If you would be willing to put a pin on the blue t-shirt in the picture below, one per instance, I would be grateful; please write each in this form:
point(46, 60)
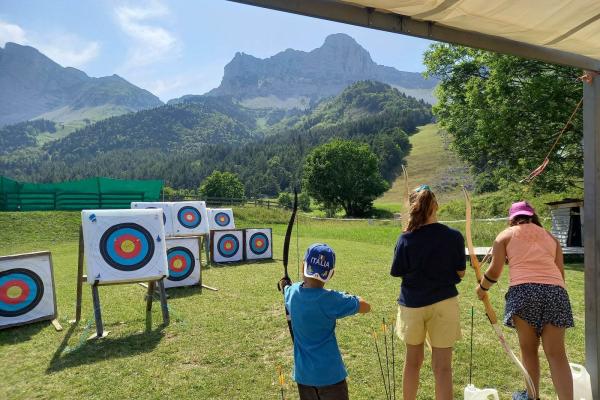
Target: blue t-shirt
point(317, 358)
point(427, 260)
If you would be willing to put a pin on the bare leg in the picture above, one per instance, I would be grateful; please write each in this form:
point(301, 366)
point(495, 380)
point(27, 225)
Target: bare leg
point(412, 368)
point(553, 340)
point(441, 362)
point(529, 343)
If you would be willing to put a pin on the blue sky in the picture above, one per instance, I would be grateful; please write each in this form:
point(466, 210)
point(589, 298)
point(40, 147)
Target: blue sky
point(178, 47)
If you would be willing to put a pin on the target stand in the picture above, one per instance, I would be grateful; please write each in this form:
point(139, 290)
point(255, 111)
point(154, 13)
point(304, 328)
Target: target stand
point(157, 283)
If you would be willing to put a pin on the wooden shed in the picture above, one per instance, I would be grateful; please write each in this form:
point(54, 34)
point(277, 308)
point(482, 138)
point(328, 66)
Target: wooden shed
point(567, 224)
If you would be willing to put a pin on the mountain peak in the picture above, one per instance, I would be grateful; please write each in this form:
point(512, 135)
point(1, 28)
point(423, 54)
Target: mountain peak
point(295, 79)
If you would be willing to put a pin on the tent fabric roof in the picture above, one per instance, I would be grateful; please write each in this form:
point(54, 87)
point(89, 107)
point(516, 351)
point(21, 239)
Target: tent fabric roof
point(571, 26)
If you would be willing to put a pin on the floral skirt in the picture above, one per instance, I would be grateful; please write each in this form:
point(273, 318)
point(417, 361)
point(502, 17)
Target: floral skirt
point(538, 305)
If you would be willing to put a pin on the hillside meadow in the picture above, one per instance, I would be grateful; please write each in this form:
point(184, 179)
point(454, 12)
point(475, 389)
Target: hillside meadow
point(229, 344)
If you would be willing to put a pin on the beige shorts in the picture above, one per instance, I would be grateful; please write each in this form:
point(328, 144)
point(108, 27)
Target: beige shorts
point(440, 321)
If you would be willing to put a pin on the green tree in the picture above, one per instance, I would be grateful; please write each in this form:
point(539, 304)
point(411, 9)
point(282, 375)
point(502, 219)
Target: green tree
point(343, 173)
point(505, 112)
point(285, 199)
point(222, 184)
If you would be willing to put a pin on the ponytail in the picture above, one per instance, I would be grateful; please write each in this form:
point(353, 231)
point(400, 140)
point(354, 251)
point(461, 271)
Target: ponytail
point(422, 203)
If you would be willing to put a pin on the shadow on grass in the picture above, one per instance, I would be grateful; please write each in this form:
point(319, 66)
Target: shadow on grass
point(184, 291)
point(91, 351)
point(21, 333)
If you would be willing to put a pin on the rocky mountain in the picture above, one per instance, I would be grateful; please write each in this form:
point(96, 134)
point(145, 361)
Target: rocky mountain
point(33, 86)
point(297, 79)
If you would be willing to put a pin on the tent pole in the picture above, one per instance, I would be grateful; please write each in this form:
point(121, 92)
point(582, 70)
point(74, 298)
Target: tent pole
point(591, 139)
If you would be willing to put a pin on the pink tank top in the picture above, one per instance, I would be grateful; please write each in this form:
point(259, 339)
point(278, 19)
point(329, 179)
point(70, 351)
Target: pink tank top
point(531, 255)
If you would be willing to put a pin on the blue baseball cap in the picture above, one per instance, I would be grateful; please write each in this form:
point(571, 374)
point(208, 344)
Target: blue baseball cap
point(319, 262)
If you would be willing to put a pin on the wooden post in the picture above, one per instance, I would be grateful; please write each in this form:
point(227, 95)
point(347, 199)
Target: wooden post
point(200, 245)
point(149, 295)
point(591, 138)
point(79, 276)
point(97, 312)
point(163, 302)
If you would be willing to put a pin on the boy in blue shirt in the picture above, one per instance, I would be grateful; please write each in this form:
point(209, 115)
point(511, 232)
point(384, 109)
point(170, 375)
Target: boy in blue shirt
point(318, 367)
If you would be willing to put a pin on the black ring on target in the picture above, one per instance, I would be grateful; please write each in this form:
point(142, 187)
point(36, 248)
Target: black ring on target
point(222, 219)
point(189, 217)
point(144, 246)
point(32, 291)
point(186, 256)
point(254, 246)
point(222, 243)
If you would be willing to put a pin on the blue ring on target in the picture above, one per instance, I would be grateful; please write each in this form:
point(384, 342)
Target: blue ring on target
point(189, 217)
point(228, 240)
point(222, 216)
point(254, 243)
point(26, 280)
point(129, 259)
point(189, 263)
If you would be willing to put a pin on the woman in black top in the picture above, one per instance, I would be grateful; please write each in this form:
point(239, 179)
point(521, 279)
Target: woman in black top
point(430, 259)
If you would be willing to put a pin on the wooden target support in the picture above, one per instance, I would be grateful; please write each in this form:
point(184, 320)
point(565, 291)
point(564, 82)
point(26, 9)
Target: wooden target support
point(81, 278)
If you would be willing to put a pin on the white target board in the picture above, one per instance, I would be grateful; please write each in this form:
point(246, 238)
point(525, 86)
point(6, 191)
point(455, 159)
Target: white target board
point(227, 246)
point(258, 244)
point(184, 262)
point(221, 219)
point(124, 245)
point(26, 289)
point(190, 218)
point(167, 214)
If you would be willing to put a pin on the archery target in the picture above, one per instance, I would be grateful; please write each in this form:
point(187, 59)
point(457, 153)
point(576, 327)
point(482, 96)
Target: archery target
point(221, 219)
point(190, 218)
point(184, 262)
point(227, 246)
point(124, 245)
point(26, 289)
point(258, 244)
point(167, 214)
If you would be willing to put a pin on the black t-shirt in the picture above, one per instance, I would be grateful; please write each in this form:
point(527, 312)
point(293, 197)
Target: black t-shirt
point(427, 260)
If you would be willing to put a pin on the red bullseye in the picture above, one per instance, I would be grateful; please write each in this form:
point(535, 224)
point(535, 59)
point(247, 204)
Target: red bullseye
point(127, 246)
point(189, 217)
point(178, 263)
point(14, 285)
point(228, 245)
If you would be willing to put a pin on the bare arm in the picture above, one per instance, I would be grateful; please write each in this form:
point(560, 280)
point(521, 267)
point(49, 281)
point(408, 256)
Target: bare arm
point(363, 306)
point(494, 272)
point(559, 259)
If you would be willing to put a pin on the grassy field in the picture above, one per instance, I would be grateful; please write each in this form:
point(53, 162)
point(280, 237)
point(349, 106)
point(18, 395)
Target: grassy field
point(430, 161)
point(228, 344)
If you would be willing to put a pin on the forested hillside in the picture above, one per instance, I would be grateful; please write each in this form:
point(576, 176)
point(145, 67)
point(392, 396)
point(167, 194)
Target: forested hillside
point(183, 143)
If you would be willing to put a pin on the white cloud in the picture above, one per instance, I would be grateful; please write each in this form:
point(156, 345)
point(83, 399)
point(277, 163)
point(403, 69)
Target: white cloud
point(151, 42)
point(11, 33)
point(64, 48)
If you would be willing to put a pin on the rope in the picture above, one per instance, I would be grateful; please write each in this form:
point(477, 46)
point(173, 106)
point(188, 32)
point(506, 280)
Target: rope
point(536, 172)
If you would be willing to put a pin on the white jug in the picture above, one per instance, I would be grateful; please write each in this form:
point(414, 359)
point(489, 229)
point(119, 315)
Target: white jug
point(582, 385)
point(472, 393)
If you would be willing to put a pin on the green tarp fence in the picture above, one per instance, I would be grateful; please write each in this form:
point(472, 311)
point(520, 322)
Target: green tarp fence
point(93, 193)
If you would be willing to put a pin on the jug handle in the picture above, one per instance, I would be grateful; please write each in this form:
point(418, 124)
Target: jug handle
point(490, 392)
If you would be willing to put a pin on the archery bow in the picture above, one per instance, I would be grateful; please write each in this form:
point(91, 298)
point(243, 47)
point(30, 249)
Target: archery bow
point(489, 311)
point(286, 251)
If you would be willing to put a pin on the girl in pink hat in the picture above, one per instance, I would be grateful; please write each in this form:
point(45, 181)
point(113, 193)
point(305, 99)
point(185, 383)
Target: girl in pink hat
point(537, 303)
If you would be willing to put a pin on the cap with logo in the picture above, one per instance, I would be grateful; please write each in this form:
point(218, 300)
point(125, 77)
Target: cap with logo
point(319, 262)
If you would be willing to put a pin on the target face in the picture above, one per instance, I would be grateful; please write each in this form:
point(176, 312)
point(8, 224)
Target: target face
point(127, 247)
point(259, 243)
point(222, 219)
point(189, 217)
point(20, 292)
point(164, 215)
point(228, 245)
point(181, 263)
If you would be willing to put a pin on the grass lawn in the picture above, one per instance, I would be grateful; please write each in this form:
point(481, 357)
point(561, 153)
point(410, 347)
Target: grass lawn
point(228, 344)
point(430, 161)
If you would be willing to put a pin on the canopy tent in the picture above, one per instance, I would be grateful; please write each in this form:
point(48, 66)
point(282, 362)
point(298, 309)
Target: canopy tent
point(556, 31)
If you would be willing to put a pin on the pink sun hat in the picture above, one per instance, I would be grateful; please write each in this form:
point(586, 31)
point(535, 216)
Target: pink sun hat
point(520, 208)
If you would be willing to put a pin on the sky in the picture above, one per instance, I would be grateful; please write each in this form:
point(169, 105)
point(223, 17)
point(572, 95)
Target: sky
point(179, 47)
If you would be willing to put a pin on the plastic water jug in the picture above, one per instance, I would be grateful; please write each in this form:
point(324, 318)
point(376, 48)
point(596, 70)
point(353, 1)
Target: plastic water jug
point(582, 384)
point(472, 393)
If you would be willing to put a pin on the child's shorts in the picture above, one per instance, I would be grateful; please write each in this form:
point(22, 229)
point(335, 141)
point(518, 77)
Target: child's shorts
point(538, 305)
point(338, 391)
point(440, 321)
